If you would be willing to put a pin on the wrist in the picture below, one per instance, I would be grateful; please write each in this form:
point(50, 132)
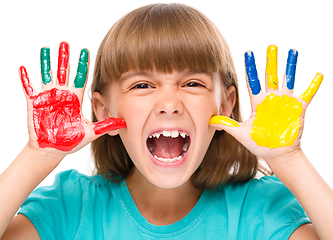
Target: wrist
point(287, 160)
point(43, 159)
point(290, 168)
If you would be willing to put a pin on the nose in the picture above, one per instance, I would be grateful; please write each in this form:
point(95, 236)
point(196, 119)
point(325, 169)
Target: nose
point(169, 103)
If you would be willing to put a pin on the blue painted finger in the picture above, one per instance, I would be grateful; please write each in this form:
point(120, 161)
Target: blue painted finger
point(252, 74)
point(291, 69)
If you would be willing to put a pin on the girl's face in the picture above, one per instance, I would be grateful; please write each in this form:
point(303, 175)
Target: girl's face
point(167, 117)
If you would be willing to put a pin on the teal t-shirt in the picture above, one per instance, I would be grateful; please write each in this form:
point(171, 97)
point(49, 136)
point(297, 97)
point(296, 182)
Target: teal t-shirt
point(77, 206)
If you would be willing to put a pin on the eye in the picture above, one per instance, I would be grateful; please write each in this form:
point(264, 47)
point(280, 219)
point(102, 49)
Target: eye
point(193, 84)
point(141, 86)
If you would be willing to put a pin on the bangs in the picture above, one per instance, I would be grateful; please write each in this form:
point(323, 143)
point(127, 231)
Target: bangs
point(164, 38)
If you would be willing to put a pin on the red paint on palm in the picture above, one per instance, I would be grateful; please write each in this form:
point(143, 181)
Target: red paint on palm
point(57, 119)
point(63, 63)
point(108, 124)
point(56, 116)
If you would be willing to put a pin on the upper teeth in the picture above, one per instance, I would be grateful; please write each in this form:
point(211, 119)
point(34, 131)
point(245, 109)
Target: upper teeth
point(173, 134)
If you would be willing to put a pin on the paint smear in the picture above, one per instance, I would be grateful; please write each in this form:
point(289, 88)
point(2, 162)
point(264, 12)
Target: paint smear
point(271, 68)
point(252, 74)
point(224, 121)
point(291, 69)
point(63, 63)
point(82, 69)
point(312, 89)
point(108, 124)
point(45, 65)
point(57, 119)
point(277, 121)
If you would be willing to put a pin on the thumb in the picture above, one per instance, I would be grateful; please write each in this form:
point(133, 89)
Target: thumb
point(108, 124)
point(224, 123)
point(221, 121)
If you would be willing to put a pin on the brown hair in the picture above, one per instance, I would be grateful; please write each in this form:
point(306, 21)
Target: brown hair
point(168, 37)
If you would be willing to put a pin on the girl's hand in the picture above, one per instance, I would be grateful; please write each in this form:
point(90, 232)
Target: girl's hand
point(55, 120)
point(276, 123)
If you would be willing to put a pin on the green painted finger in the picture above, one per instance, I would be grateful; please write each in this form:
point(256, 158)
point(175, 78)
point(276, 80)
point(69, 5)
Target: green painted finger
point(82, 69)
point(45, 65)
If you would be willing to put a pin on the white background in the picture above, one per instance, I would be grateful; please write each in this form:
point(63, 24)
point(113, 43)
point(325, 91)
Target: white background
point(26, 26)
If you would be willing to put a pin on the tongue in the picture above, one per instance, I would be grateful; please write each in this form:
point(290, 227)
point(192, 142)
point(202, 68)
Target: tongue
point(167, 147)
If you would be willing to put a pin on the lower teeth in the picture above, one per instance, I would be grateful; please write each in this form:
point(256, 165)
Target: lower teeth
point(169, 160)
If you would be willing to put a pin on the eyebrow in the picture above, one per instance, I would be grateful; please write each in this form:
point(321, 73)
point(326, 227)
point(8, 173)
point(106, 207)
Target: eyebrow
point(134, 74)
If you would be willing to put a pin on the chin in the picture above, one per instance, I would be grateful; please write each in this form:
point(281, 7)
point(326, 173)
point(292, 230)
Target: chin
point(170, 177)
point(168, 182)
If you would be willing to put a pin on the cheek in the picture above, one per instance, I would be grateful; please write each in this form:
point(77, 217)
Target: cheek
point(133, 110)
point(203, 108)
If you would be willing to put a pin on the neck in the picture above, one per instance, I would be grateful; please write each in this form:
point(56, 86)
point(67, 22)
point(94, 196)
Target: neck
point(161, 206)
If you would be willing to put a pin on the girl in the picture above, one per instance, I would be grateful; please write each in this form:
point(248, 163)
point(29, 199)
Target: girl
point(165, 167)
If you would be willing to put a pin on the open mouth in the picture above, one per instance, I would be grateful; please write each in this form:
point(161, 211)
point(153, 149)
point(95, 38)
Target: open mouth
point(168, 146)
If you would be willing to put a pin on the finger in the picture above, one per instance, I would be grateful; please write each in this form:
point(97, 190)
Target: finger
point(223, 120)
point(227, 124)
point(25, 81)
point(272, 82)
point(289, 79)
point(45, 65)
point(82, 69)
point(251, 74)
point(108, 124)
point(62, 74)
point(312, 89)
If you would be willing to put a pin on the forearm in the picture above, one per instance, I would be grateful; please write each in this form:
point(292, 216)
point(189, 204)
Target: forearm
point(310, 189)
point(21, 178)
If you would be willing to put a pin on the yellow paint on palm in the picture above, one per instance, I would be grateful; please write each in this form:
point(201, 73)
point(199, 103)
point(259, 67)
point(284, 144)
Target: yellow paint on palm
point(271, 67)
point(277, 121)
point(312, 89)
point(224, 121)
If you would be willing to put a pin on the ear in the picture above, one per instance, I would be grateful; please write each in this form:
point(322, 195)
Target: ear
point(101, 109)
point(228, 103)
